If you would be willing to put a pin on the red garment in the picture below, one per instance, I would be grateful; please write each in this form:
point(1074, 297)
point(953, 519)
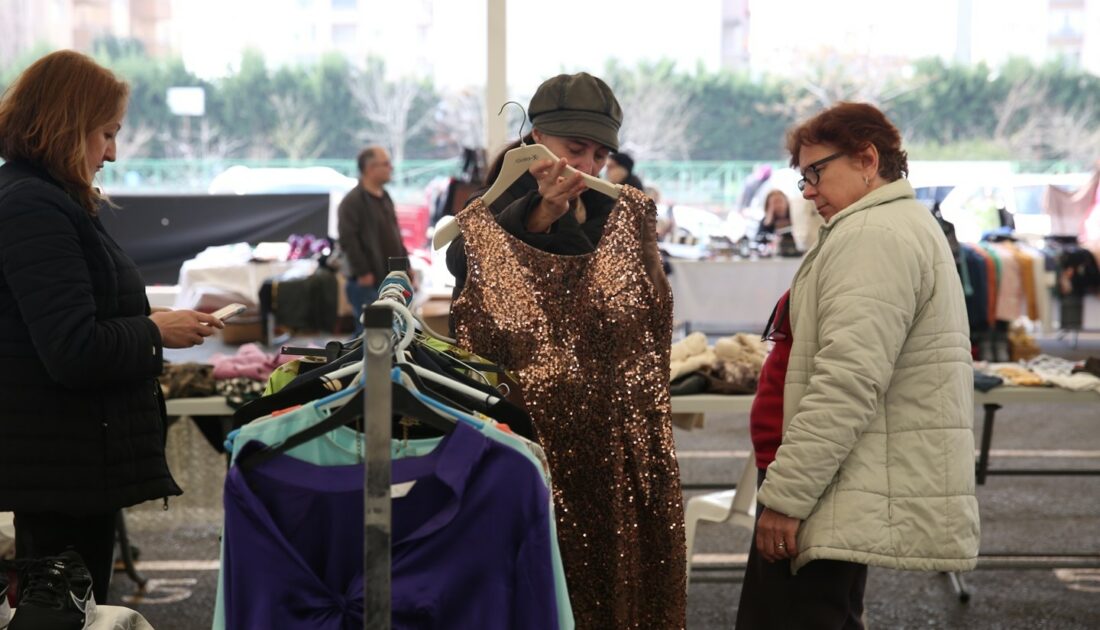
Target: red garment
point(766, 417)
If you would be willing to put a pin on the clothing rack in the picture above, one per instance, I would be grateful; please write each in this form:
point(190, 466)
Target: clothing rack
point(378, 350)
point(377, 506)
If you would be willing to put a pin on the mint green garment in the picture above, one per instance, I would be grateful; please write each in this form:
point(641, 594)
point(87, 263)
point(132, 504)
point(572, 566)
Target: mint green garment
point(342, 446)
point(996, 262)
point(968, 289)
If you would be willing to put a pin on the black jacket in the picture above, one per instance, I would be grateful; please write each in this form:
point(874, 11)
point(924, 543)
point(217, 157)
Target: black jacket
point(369, 233)
point(566, 236)
point(82, 421)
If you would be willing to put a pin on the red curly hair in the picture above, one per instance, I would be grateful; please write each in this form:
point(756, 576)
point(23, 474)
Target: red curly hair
point(852, 127)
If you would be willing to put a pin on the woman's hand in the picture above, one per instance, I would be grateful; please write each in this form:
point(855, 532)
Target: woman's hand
point(556, 191)
point(776, 536)
point(183, 328)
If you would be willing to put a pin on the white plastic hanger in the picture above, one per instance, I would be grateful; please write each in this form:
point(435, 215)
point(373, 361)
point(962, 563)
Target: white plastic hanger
point(407, 336)
point(394, 292)
point(516, 163)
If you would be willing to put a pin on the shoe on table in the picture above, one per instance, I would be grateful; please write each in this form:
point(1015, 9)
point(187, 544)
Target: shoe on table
point(5, 607)
point(55, 594)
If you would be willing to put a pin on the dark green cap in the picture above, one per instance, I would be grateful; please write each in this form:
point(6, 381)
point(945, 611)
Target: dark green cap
point(577, 105)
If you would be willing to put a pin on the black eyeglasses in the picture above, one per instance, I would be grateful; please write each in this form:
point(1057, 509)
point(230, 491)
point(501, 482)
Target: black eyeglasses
point(812, 174)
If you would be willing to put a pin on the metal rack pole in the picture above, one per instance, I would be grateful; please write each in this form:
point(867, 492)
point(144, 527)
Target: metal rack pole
point(378, 350)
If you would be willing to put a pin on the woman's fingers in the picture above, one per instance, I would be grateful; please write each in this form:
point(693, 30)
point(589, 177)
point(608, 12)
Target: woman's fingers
point(541, 169)
point(790, 545)
point(547, 171)
point(776, 536)
point(765, 546)
point(569, 187)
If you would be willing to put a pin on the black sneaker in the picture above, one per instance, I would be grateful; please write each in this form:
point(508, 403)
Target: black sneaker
point(55, 594)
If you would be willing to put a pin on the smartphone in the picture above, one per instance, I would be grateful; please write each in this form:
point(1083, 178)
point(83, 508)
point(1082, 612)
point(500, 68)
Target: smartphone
point(232, 310)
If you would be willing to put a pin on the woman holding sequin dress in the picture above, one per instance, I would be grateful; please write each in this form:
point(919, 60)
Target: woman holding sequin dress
point(564, 287)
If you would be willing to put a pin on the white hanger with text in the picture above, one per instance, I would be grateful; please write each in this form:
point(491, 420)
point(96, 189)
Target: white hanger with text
point(516, 163)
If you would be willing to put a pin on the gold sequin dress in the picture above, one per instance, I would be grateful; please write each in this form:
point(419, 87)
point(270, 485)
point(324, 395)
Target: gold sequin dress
point(589, 338)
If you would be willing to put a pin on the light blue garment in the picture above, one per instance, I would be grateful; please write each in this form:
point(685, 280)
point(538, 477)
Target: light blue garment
point(342, 446)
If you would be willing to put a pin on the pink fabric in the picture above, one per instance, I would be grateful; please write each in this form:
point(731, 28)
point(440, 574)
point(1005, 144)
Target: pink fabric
point(1069, 210)
point(1091, 228)
point(249, 362)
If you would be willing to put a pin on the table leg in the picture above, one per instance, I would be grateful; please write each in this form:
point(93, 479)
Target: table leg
point(126, 552)
point(987, 440)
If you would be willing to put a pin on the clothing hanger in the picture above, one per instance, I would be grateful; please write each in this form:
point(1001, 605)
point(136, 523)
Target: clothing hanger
point(439, 379)
point(397, 286)
point(407, 336)
point(441, 406)
point(404, 402)
point(516, 163)
point(476, 371)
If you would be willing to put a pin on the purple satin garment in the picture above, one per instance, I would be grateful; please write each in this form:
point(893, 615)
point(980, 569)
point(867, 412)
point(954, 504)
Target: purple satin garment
point(471, 542)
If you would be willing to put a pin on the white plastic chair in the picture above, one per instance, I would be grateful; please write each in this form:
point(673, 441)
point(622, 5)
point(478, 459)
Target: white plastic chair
point(736, 506)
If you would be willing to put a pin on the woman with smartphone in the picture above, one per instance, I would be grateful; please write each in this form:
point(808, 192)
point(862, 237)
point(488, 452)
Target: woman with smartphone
point(82, 425)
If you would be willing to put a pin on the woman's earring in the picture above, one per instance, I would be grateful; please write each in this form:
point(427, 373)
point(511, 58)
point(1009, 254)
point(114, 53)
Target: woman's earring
point(866, 181)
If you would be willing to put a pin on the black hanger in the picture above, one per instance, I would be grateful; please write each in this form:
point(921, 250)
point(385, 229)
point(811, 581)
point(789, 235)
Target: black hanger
point(427, 389)
point(403, 402)
point(305, 387)
point(517, 419)
point(407, 405)
point(332, 350)
point(349, 413)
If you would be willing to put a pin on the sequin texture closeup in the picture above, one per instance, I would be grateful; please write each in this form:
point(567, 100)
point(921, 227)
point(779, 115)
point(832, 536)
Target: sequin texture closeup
point(589, 338)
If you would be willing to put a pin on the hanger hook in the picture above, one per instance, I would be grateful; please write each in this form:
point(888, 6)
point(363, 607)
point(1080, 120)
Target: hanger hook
point(522, 109)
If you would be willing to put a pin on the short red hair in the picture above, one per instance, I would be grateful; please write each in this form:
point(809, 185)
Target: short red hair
point(852, 127)
point(48, 112)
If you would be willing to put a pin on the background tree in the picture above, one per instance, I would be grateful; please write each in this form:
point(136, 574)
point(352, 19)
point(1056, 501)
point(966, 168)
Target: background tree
point(459, 121)
point(341, 120)
point(241, 107)
point(658, 113)
point(330, 109)
point(738, 118)
point(396, 111)
point(296, 131)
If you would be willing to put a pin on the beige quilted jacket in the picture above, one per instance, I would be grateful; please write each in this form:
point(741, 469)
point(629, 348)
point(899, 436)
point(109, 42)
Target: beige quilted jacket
point(877, 456)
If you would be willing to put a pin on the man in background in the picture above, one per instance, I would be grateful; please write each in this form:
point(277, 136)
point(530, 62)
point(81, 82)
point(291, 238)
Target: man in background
point(368, 230)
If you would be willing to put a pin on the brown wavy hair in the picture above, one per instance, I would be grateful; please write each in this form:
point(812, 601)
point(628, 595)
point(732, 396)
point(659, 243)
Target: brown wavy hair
point(852, 127)
point(48, 112)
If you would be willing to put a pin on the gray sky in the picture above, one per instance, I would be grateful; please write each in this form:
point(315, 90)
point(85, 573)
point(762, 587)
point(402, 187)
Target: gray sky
point(446, 38)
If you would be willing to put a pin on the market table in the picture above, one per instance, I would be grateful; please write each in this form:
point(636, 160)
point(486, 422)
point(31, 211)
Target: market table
point(728, 296)
point(991, 402)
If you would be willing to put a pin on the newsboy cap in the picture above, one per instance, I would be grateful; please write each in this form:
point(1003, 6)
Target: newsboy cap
point(577, 105)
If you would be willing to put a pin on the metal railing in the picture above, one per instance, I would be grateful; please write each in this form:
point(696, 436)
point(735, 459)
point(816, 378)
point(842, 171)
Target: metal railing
point(710, 183)
point(185, 175)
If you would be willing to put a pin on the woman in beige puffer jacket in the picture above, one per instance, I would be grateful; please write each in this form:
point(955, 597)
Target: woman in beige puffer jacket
point(876, 466)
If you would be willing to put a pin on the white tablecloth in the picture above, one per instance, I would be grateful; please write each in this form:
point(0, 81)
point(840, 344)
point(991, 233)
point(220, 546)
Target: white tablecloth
point(729, 296)
point(210, 284)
